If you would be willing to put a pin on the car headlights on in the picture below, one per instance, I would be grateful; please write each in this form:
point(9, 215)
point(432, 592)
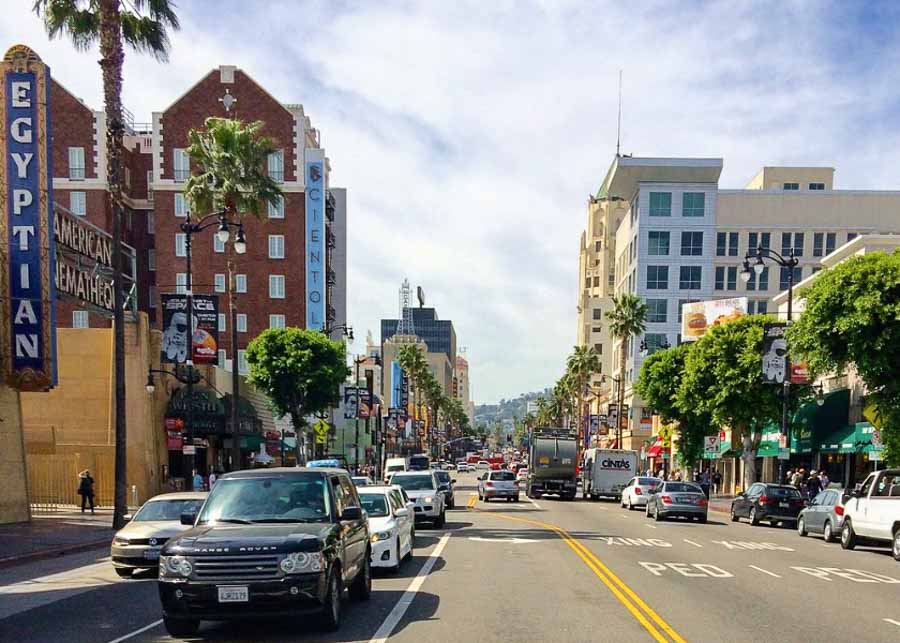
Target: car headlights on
point(428, 499)
point(177, 566)
point(380, 535)
point(303, 563)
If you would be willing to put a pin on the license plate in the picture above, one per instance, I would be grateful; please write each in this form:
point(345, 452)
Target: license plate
point(151, 554)
point(685, 500)
point(233, 594)
point(784, 505)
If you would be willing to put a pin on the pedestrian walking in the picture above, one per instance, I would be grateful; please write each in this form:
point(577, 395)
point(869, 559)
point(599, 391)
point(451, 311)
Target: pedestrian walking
point(212, 479)
point(86, 489)
point(717, 482)
point(824, 480)
point(704, 482)
point(198, 481)
point(813, 486)
point(796, 479)
point(788, 476)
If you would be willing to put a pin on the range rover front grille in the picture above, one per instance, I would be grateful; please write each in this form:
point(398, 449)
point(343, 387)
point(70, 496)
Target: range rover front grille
point(236, 568)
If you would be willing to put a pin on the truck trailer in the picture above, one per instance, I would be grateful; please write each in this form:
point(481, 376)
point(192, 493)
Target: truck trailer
point(553, 461)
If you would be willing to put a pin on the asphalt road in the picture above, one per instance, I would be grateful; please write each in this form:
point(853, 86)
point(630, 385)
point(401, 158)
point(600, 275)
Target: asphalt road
point(533, 571)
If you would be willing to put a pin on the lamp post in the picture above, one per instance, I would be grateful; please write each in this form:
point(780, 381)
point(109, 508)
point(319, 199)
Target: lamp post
point(190, 228)
point(790, 262)
point(620, 384)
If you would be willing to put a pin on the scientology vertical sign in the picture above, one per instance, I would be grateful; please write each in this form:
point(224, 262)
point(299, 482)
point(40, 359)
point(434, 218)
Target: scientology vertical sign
point(27, 294)
point(314, 172)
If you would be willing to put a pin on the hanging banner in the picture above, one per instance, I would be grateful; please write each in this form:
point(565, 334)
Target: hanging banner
point(314, 172)
point(774, 357)
point(27, 295)
point(351, 402)
point(205, 324)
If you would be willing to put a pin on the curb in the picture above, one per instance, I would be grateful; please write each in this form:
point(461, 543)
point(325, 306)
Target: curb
point(12, 561)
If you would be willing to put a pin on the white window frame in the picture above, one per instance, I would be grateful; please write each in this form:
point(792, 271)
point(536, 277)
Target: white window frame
point(180, 283)
point(277, 321)
point(77, 165)
point(151, 222)
point(78, 203)
point(221, 323)
point(241, 322)
point(276, 246)
point(277, 211)
point(181, 164)
point(152, 293)
point(218, 244)
point(240, 283)
point(151, 259)
point(180, 244)
point(219, 282)
point(276, 291)
point(81, 319)
point(181, 206)
point(276, 166)
point(223, 357)
point(149, 184)
point(243, 366)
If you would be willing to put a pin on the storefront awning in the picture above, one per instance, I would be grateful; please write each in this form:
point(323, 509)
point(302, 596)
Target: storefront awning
point(769, 445)
point(816, 425)
point(841, 440)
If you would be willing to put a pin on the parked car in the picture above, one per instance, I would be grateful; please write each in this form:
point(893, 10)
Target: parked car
point(637, 492)
point(423, 489)
point(463, 467)
point(392, 466)
point(522, 474)
point(872, 512)
point(671, 499)
point(449, 466)
point(498, 484)
point(362, 481)
point(483, 465)
point(447, 487)
point(137, 545)
point(390, 526)
point(774, 503)
point(824, 515)
point(267, 542)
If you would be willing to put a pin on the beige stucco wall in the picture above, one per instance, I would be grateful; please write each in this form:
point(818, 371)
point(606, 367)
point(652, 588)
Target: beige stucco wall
point(774, 178)
point(14, 499)
point(827, 211)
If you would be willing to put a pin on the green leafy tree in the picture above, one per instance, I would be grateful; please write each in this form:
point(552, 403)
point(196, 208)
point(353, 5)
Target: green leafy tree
point(658, 385)
point(412, 361)
point(627, 319)
point(144, 25)
point(722, 378)
point(852, 319)
point(229, 157)
point(300, 370)
point(582, 364)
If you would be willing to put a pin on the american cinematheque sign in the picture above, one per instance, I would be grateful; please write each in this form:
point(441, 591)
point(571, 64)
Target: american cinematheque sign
point(27, 293)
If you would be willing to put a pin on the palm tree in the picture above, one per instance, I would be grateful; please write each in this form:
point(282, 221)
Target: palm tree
point(143, 24)
point(627, 319)
point(581, 366)
point(412, 361)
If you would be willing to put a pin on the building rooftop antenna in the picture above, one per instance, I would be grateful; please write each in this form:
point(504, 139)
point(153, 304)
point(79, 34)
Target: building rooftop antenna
point(405, 325)
point(619, 120)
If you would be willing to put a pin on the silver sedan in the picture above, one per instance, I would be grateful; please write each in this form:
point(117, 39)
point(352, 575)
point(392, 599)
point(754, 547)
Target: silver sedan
point(673, 499)
point(637, 492)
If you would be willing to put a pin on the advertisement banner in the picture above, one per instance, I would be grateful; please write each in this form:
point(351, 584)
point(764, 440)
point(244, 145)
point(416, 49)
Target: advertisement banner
point(774, 357)
point(365, 403)
point(351, 402)
point(314, 172)
point(28, 297)
point(697, 316)
point(205, 327)
point(799, 373)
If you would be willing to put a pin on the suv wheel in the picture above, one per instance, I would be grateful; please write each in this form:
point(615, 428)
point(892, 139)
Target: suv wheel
point(895, 548)
point(754, 518)
point(848, 537)
point(828, 534)
point(734, 516)
point(439, 523)
point(181, 627)
point(361, 588)
point(331, 611)
point(801, 527)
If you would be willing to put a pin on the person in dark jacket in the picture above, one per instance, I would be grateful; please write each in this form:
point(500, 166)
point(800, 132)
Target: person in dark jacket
point(86, 489)
point(813, 485)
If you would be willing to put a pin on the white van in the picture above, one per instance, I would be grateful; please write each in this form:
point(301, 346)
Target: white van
point(392, 466)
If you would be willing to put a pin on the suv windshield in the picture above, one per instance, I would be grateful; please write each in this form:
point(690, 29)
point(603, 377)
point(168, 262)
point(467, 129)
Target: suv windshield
point(414, 483)
point(166, 509)
point(375, 504)
point(296, 498)
point(503, 475)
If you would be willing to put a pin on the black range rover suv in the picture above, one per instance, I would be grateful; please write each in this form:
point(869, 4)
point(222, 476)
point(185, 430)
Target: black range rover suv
point(268, 542)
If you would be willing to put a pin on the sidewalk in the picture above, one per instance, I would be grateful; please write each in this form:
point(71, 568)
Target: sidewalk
point(722, 504)
point(54, 534)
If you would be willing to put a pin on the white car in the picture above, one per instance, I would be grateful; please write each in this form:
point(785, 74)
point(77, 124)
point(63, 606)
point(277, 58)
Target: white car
point(638, 490)
point(423, 488)
point(483, 465)
point(390, 525)
point(462, 467)
point(498, 484)
point(522, 474)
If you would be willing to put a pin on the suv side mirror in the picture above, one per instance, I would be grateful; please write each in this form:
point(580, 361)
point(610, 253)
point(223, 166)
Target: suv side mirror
point(127, 517)
point(400, 513)
point(189, 518)
point(452, 480)
point(352, 513)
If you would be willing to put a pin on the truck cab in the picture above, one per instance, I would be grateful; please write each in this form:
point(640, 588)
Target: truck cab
point(872, 512)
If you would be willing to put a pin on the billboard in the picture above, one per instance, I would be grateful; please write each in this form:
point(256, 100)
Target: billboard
point(351, 402)
point(697, 316)
point(774, 357)
point(173, 349)
point(27, 294)
point(314, 172)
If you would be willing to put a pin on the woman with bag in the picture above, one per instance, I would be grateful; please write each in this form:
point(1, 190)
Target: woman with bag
point(86, 489)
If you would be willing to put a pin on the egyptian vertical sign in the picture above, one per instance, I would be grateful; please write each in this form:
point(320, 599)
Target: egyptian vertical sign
point(27, 295)
point(315, 239)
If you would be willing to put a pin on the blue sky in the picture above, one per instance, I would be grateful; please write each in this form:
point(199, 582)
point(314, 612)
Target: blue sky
point(469, 134)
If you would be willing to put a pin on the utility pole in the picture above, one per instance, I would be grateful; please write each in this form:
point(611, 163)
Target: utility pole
point(187, 448)
point(235, 376)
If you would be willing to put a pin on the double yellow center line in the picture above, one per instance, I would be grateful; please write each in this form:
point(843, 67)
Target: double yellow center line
point(643, 613)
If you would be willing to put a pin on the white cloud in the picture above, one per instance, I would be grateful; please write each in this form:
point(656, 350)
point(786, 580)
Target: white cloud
point(469, 134)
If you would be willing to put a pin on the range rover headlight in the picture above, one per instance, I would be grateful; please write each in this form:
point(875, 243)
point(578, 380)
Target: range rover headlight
point(380, 535)
point(428, 499)
point(175, 566)
point(303, 563)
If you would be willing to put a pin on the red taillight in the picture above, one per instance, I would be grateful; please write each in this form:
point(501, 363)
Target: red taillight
point(637, 491)
point(703, 502)
point(839, 510)
point(764, 499)
point(667, 499)
point(488, 484)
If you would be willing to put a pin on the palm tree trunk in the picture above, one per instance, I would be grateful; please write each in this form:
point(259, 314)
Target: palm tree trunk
point(111, 60)
point(623, 357)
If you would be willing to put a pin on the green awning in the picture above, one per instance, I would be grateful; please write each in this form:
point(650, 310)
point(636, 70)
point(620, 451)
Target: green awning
point(769, 445)
point(815, 426)
point(841, 440)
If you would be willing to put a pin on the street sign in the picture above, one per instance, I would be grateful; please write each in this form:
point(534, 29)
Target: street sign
point(782, 441)
point(784, 454)
point(188, 449)
point(711, 445)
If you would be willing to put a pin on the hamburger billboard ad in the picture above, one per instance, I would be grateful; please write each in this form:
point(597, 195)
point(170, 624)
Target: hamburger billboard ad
point(698, 316)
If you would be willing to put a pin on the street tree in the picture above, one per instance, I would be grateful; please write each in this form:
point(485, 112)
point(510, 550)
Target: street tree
point(581, 366)
point(627, 319)
point(144, 25)
point(300, 371)
point(412, 361)
point(852, 319)
point(722, 379)
point(658, 385)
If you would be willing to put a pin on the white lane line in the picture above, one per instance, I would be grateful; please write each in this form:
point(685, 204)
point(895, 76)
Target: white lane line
point(136, 632)
point(651, 526)
point(764, 571)
point(691, 542)
point(891, 621)
point(406, 600)
point(536, 505)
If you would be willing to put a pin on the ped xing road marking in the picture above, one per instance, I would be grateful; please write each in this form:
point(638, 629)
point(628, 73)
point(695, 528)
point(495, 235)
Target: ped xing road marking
point(691, 542)
point(384, 632)
point(891, 621)
point(855, 575)
point(743, 544)
point(703, 570)
point(136, 632)
point(658, 628)
point(764, 571)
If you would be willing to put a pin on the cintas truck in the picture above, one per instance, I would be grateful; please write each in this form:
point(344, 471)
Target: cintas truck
point(552, 461)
